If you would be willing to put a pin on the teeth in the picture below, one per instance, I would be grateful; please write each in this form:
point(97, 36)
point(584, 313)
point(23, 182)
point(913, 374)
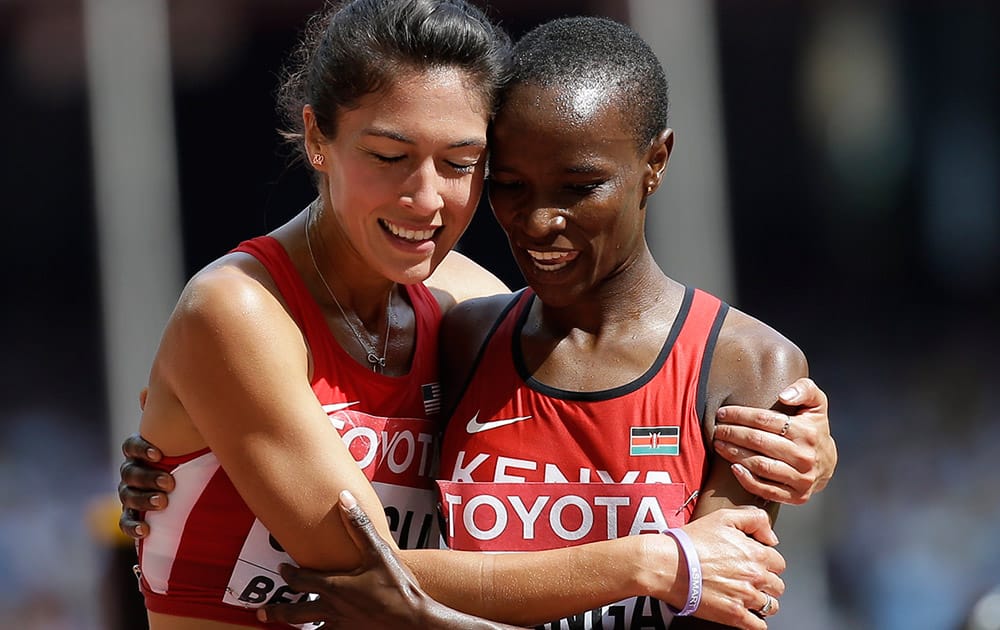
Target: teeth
point(550, 267)
point(405, 234)
point(551, 261)
point(545, 255)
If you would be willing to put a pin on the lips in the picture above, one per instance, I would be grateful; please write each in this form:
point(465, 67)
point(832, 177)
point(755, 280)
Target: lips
point(407, 234)
point(551, 260)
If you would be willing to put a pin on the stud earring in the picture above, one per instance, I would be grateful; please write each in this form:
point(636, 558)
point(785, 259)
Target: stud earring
point(318, 159)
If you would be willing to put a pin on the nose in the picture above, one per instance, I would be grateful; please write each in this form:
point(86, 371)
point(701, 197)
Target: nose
point(542, 222)
point(421, 190)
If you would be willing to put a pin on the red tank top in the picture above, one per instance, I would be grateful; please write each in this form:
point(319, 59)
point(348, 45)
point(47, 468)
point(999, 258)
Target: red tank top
point(208, 557)
point(527, 467)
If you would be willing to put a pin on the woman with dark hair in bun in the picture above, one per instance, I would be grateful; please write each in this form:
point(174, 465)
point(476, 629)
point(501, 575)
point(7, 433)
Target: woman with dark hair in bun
point(304, 363)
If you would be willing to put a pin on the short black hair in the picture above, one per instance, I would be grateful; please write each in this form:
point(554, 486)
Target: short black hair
point(359, 47)
point(592, 51)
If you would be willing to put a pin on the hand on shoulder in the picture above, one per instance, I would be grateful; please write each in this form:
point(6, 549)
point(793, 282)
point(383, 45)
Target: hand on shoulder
point(779, 445)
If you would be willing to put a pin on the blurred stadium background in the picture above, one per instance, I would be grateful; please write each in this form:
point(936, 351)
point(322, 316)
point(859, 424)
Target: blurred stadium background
point(836, 175)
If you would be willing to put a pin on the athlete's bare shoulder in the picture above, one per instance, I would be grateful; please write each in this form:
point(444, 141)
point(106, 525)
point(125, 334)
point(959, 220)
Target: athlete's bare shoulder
point(459, 278)
point(473, 318)
point(231, 300)
point(752, 362)
point(235, 278)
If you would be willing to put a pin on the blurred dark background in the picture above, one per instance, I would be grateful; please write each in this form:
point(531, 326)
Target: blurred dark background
point(862, 153)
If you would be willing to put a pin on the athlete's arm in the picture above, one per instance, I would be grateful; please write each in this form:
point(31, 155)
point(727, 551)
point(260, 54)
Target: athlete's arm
point(518, 585)
point(784, 458)
point(144, 488)
point(637, 565)
point(532, 588)
point(753, 363)
point(750, 367)
point(232, 374)
point(382, 594)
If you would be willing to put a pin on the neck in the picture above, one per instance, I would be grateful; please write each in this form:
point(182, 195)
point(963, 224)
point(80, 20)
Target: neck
point(355, 288)
point(623, 300)
point(373, 350)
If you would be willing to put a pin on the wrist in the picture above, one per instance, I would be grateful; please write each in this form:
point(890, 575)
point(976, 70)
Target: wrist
point(692, 566)
point(661, 570)
point(436, 616)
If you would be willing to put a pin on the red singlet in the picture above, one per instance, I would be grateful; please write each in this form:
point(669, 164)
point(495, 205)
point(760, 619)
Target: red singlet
point(533, 467)
point(208, 557)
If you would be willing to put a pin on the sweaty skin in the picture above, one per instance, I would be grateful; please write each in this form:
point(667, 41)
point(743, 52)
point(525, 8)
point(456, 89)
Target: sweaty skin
point(575, 216)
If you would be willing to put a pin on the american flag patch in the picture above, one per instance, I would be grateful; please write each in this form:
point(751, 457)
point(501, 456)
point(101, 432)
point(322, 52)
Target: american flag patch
point(654, 441)
point(432, 398)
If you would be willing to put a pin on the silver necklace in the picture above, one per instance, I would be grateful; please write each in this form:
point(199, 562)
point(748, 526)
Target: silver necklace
point(377, 362)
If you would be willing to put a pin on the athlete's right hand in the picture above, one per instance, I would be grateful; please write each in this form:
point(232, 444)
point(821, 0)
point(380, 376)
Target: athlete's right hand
point(142, 488)
point(739, 565)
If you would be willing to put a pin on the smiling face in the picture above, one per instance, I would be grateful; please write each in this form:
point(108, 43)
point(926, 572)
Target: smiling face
point(568, 185)
point(404, 173)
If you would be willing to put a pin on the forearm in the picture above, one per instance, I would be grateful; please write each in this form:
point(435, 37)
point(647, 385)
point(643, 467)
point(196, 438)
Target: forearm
point(441, 617)
point(531, 588)
point(695, 623)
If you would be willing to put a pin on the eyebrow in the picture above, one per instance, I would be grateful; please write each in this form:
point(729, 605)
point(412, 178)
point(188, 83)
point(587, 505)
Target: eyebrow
point(584, 170)
point(398, 137)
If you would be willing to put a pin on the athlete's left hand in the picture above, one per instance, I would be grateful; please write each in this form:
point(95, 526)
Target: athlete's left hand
point(776, 456)
point(381, 593)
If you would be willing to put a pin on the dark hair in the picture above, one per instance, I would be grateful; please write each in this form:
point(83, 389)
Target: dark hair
point(588, 51)
point(357, 47)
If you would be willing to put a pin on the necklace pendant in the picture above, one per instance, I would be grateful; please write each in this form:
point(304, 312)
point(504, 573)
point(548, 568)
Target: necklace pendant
point(378, 363)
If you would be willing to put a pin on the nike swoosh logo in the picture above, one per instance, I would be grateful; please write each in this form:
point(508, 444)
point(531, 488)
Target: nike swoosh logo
point(475, 426)
point(337, 421)
point(339, 406)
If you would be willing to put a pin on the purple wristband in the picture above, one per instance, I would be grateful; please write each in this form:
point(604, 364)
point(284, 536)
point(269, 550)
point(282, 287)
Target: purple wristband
point(694, 572)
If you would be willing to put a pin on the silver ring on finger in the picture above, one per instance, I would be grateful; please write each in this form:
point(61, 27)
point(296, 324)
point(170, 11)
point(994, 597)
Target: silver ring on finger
point(765, 610)
point(788, 423)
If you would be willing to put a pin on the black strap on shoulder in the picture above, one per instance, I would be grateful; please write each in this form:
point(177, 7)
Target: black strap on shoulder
point(515, 298)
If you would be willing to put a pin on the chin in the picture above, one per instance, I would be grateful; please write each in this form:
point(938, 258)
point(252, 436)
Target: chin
point(556, 296)
point(416, 273)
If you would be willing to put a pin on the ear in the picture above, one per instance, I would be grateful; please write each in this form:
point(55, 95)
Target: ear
point(313, 139)
point(657, 158)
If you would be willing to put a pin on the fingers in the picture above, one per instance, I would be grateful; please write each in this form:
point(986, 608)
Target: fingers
point(734, 416)
point(301, 612)
point(304, 580)
point(773, 583)
point(754, 522)
point(780, 458)
point(134, 447)
point(768, 586)
point(133, 503)
point(142, 489)
point(362, 530)
point(736, 444)
point(140, 477)
point(769, 606)
point(140, 499)
point(750, 621)
point(767, 490)
point(131, 526)
point(804, 393)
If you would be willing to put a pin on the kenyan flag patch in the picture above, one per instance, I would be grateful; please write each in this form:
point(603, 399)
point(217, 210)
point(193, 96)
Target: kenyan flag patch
point(654, 441)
